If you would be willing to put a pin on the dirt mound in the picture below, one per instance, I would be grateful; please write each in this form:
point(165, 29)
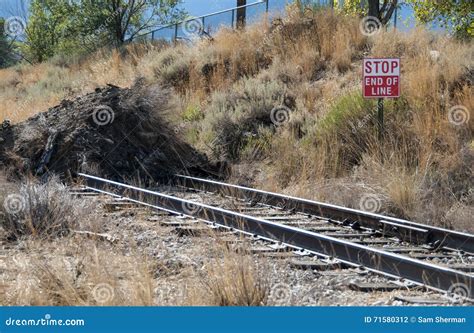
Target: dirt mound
point(113, 132)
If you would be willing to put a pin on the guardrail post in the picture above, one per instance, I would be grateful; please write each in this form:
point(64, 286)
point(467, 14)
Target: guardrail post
point(267, 5)
point(175, 32)
point(233, 18)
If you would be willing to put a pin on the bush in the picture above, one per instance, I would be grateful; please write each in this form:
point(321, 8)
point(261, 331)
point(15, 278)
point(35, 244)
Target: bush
point(234, 116)
point(40, 210)
point(172, 67)
point(347, 112)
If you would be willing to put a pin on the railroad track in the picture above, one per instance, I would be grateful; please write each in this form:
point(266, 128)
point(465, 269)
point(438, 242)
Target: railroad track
point(436, 258)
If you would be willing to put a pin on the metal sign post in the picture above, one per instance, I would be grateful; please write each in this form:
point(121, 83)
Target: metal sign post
point(381, 80)
point(380, 118)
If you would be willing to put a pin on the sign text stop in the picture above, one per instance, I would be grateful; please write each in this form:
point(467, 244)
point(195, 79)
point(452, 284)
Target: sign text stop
point(381, 78)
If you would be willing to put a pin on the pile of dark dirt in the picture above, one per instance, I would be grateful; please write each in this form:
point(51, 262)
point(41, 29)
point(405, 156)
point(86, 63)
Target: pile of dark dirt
point(112, 132)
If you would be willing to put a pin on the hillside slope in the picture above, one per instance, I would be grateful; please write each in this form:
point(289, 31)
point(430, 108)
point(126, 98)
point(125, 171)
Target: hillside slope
point(282, 103)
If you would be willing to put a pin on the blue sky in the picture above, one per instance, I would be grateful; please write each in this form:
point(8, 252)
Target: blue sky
point(194, 7)
point(197, 7)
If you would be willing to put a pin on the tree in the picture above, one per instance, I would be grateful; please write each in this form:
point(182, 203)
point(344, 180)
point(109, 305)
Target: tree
point(456, 15)
point(241, 13)
point(121, 20)
point(382, 10)
point(50, 25)
point(77, 26)
point(6, 46)
point(5, 54)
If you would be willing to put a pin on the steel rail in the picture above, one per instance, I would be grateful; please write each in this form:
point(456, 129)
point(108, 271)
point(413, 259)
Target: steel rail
point(390, 264)
point(406, 230)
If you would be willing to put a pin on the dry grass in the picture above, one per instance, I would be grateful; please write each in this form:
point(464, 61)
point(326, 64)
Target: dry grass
point(234, 278)
point(42, 210)
point(227, 88)
point(26, 90)
point(74, 271)
point(215, 273)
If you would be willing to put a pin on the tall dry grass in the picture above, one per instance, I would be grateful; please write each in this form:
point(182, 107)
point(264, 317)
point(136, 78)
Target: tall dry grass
point(75, 271)
point(233, 277)
point(43, 210)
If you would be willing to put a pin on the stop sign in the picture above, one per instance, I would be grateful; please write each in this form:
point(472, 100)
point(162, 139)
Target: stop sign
point(381, 78)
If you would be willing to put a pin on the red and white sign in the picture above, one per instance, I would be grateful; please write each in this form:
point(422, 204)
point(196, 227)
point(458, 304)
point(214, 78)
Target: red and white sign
point(381, 78)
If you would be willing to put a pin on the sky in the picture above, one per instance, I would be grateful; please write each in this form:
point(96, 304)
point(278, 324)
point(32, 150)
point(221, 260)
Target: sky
point(197, 8)
point(194, 7)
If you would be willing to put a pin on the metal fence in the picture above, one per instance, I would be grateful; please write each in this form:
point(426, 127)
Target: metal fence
point(211, 23)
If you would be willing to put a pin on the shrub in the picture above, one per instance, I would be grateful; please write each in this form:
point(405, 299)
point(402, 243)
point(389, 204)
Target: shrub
point(234, 116)
point(192, 113)
point(172, 67)
point(40, 210)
